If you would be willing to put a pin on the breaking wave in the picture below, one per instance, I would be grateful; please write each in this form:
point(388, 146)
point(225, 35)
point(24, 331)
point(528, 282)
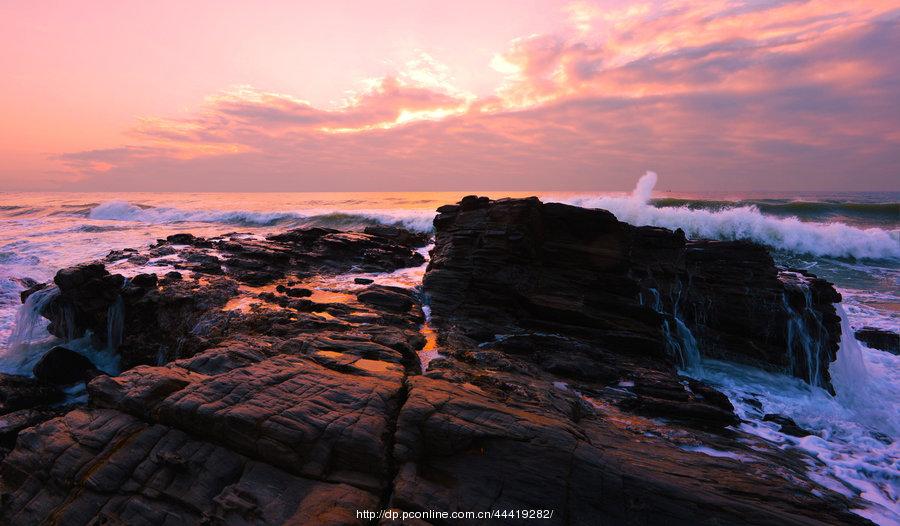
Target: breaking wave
point(887, 212)
point(831, 228)
point(418, 220)
point(834, 239)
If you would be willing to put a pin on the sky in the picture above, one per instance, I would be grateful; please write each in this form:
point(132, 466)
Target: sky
point(435, 95)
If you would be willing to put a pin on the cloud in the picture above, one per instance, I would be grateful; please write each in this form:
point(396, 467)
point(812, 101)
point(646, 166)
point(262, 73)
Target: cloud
point(737, 94)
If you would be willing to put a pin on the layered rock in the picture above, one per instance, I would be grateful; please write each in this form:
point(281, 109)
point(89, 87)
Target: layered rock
point(555, 388)
point(25, 402)
point(97, 466)
point(148, 320)
point(464, 448)
point(283, 413)
point(560, 335)
point(518, 265)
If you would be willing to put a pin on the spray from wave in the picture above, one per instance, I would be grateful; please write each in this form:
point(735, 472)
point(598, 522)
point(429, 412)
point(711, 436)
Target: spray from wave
point(748, 222)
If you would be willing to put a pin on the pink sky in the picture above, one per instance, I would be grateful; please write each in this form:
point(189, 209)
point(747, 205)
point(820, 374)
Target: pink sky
point(465, 95)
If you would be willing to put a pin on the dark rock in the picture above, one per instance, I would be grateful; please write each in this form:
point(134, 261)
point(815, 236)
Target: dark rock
point(742, 308)
point(513, 265)
point(399, 235)
point(317, 398)
point(160, 324)
point(880, 339)
point(24, 402)
point(86, 294)
point(294, 292)
point(174, 276)
point(523, 293)
point(22, 392)
point(566, 357)
point(520, 264)
point(161, 251)
point(200, 262)
point(101, 466)
point(146, 281)
point(363, 281)
point(754, 403)
point(61, 366)
point(459, 448)
point(303, 236)
point(788, 426)
point(11, 424)
point(31, 290)
point(314, 251)
point(285, 402)
point(182, 239)
point(391, 298)
point(76, 277)
point(555, 386)
point(692, 403)
point(118, 255)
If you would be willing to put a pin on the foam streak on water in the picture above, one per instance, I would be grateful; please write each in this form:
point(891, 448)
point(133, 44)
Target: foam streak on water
point(854, 448)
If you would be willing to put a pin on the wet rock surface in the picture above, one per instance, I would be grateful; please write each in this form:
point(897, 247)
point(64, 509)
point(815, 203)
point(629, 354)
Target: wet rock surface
point(507, 266)
point(787, 425)
point(239, 402)
point(61, 366)
point(20, 392)
point(96, 466)
point(24, 402)
point(880, 339)
point(558, 378)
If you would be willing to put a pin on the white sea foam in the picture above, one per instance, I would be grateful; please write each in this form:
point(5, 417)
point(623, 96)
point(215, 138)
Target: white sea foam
point(747, 222)
point(418, 220)
point(739, 222)
point(719, 453)
point(854, 448)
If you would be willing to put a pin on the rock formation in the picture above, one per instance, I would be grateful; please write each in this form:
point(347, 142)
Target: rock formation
point(880, 339)
point(556, 385)
point(505, 266)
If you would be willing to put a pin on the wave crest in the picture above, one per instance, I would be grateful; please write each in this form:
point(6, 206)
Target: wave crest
point(416, 220)
point(754, 220)
point(748, 222)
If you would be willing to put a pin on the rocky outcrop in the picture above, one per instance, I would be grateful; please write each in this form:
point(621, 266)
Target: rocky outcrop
point(61, 366)
point(283, 413)
point(399, 235)
point(20, 392)
point(741, 307)
point(266, 407)
point(86, 294)
point(514, 265)
point(97, 466)
point(148, 320)
point(566, 328)
point(464, 448)
point(24, 402)
point(880, 339)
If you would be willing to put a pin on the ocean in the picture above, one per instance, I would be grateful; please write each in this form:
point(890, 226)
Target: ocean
point(849, 238)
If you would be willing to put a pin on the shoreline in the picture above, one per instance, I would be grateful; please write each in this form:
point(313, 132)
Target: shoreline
point(561, 374)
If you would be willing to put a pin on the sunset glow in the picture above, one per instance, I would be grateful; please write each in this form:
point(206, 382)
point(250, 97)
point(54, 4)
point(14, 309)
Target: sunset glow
point(421, 95)
point(498, 262)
